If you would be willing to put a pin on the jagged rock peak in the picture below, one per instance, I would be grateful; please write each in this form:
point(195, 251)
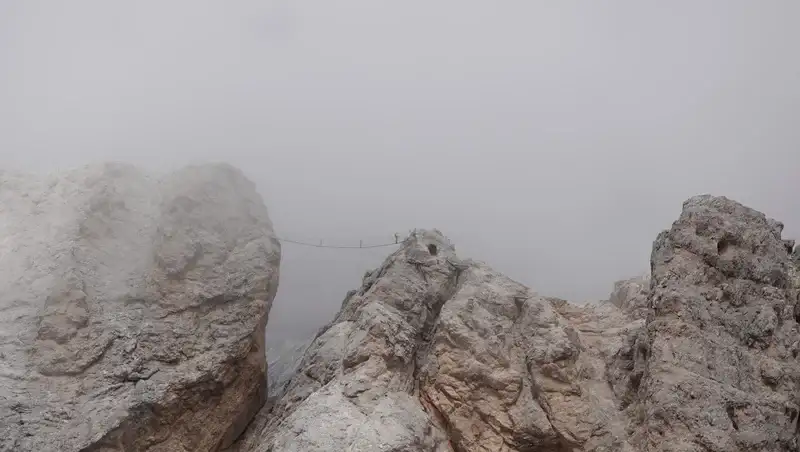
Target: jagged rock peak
point(437, 354)
point(717, 361)
point(433, 353)
point(132, 308)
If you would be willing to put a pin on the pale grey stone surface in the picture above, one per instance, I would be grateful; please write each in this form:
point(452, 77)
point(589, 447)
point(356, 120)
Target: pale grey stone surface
point(132, 308)
point(355, 387)
point(438, 354)
point(719, 353)
point(632, 295)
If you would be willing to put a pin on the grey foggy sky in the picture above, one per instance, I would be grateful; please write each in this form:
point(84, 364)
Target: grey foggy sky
point(553, 140)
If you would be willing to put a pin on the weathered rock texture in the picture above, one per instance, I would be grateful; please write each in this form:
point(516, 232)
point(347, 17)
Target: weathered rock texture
point(719, 353)
point(132, 312)
point(438, 354)
point(632, 296)
point(132, 309)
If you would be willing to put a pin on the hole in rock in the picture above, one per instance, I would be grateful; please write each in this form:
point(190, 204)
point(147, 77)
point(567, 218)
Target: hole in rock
point(723, 246)
point(732, 415)
point(433, 250)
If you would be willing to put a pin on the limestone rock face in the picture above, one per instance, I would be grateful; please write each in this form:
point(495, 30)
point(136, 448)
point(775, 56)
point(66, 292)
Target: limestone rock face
point(434, 353)
point(437, 354)
point(132, 309)
point(132, 317)
point(355, 389)
point(719, 352)
point(632, 296)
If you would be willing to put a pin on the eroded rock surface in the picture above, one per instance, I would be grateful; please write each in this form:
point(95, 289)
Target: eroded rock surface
point(438, 354)
point(632, 296)
point(434, 353)
point(355, 390)
point(720, 349)
point(132, 309)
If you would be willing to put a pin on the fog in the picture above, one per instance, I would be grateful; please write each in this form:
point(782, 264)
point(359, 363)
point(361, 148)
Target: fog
point(553, 140)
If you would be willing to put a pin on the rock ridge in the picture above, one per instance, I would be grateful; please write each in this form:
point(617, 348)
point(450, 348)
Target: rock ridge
point(133, 308)
point(435, 353)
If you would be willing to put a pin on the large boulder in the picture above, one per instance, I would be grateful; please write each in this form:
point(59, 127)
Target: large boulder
point(718, 358)
point(434, 353)
point(132, 309)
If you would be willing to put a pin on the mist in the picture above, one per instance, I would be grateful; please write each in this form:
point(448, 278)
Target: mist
point(553, 140)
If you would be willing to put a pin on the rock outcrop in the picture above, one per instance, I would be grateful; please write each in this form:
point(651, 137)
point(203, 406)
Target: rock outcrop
point(132, 309)
point(719, 353)
point(437, 354)
point(132, 314)
point(434, 353)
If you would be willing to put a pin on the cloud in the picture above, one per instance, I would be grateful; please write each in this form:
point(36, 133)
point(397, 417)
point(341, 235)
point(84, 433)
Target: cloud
point(552, 140)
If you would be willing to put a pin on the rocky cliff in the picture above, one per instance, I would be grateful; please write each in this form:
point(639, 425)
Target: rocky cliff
point(435, 353)
point(132, 309)
point(719, 351)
